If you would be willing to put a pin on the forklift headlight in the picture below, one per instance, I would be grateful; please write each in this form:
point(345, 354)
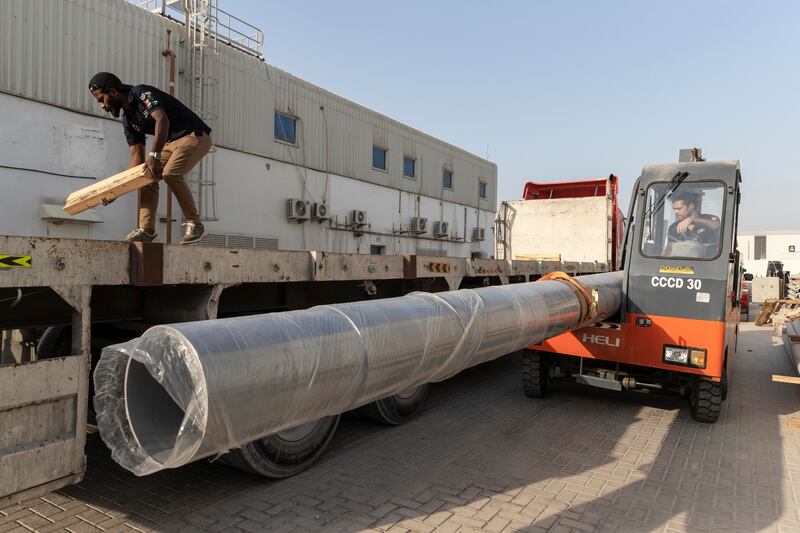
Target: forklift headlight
point(697, 357)
point(676, 355)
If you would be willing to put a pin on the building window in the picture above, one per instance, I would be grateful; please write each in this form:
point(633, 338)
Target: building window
point(409, 167)
point(377, 249)
point(378, 158)
point(447, 179)
point(482, 189)
point(760, 251)
point(285, 128)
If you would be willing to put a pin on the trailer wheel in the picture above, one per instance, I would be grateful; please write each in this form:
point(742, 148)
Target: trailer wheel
point(396, 409)
point(706, 401)
point(287, 452)
point(534, 373)
point(56, 341)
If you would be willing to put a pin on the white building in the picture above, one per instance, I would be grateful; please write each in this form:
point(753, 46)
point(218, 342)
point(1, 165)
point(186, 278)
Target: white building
point(54, 139)
point(760, 247)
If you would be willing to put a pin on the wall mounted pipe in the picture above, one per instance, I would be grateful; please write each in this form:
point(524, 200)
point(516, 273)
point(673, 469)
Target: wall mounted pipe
point(186, 391)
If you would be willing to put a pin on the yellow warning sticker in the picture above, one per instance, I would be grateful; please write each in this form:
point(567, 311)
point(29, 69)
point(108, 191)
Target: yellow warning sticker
point(15, 261)
point(676, 269)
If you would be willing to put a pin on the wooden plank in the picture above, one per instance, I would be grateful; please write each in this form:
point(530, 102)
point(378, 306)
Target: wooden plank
point(108, 189)
point(765, 312)
point(785, 379)
point(793, 315)
point(773, 308)
point(539, 257)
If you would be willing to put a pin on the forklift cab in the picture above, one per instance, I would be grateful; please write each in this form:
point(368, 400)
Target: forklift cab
point(678, 324)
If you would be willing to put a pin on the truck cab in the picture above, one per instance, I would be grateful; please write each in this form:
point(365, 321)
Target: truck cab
point(677, 328)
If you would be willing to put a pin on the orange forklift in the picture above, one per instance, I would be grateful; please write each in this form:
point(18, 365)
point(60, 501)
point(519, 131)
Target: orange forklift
point(679, 320)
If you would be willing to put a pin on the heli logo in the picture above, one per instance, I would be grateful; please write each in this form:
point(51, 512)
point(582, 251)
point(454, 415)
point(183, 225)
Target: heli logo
point(601, 340)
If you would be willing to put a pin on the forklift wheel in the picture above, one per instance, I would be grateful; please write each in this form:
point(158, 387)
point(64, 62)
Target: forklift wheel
point(706, 401)
point(534, 373)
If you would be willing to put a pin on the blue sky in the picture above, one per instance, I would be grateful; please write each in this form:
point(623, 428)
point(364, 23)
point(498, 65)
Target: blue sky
point(556, 90)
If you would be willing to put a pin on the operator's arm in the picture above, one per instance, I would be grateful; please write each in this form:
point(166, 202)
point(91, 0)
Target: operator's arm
point(160, 134)
point(710, 222)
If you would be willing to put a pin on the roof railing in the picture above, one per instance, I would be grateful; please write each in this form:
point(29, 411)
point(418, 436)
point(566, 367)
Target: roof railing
point(223, 26)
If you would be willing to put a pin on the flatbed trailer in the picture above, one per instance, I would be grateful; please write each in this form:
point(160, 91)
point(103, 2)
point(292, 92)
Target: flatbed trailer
point(68, 298)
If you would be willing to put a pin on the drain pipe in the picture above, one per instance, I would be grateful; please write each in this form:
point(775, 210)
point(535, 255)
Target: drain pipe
point(168, 53)
point(186, 391)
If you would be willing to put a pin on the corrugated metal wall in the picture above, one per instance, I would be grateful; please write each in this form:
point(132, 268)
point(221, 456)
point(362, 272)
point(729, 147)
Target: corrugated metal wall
point(52, 47)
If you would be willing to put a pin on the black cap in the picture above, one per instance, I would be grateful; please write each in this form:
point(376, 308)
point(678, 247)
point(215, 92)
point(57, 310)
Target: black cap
point(105, 81)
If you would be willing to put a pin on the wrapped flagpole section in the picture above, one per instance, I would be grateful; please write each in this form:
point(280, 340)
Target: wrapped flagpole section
point(186, 391)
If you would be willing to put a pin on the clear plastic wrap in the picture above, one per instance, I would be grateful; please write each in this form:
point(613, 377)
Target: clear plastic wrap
point(186, 391)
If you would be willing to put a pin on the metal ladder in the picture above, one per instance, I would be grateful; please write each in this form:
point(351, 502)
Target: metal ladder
point(501, 233)
point(206, 26)
point(202, 31)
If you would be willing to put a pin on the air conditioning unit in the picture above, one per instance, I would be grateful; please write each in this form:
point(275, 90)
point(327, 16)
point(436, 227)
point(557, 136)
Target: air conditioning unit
point(441, 228)
point(418, 225)
point(358, 218)
point(298, 210)
point(319, 211)
point(478, 234)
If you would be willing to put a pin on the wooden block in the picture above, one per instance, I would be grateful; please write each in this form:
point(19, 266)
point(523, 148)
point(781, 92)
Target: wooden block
point(765, 312)
point(785, 379)
point(109, 189)
point(538, 257)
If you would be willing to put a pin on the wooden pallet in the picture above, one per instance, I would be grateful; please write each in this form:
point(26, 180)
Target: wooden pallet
point(787, 308)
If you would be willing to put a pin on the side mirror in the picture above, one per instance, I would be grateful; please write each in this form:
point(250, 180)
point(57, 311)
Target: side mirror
point(748, 276)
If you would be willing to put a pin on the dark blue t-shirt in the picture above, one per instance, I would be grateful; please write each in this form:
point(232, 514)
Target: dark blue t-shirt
point(143, 100)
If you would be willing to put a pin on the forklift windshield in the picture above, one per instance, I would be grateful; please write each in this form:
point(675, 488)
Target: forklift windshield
point(684, 222)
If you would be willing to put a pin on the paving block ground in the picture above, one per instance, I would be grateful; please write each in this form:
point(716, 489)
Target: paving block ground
point(483, 457)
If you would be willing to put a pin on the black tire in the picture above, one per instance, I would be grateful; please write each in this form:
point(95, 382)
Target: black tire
point(396, 409)
point(286, 453)
point(705, 401)
point(534, 373)
point(56, 341)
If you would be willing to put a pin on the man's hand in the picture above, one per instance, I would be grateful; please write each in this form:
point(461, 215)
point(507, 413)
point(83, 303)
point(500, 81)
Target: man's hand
point(106, 201)
point(154, 165)
point(684, 225)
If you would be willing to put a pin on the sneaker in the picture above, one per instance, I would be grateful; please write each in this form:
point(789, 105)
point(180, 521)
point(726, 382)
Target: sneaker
point(140, 235)
point(192, 233)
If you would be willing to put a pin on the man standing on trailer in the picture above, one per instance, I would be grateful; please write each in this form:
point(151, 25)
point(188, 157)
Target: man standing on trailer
point(180, 140)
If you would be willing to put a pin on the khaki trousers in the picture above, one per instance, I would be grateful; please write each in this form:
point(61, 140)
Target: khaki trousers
point(178, 157)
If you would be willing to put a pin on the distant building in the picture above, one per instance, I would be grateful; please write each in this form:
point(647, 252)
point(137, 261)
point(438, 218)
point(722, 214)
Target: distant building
point(760, 247)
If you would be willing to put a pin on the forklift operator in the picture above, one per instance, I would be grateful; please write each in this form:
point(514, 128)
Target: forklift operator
point(180, 140)
point(693, 234)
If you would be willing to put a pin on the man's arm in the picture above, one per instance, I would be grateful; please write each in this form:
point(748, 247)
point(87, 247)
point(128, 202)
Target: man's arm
point(708, 221)
point(137, 158)
point(160, 134)
point(137, 154)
